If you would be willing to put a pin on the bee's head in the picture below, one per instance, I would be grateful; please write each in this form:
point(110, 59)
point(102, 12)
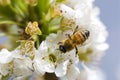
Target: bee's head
point(62, 48)
point(87, 33)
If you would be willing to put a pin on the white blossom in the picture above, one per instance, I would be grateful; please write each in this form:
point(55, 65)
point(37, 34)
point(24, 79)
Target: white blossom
point(91, 74)
point(72, 73)
point(85, 15)
point(67, 11)
point(22, 68)
point(43, 63)
point(25, 60)
point(5, 69)
point(5, 59)
point(5, 56)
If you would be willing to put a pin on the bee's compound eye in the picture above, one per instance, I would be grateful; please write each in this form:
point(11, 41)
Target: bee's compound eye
point(87, 33)
point(62, 49)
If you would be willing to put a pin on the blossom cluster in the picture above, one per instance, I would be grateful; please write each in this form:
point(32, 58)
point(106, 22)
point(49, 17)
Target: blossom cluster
point(28, 62)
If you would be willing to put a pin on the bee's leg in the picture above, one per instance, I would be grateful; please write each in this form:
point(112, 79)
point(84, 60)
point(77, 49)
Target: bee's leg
point(76, 50)
point(59, 42)
point(69, 36)
point(75, 29)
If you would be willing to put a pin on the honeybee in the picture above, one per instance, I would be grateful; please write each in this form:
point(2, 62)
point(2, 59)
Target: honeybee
point(77, 38)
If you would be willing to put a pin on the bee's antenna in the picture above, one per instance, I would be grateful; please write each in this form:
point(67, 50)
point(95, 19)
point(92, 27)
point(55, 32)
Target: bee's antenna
point(76, 50)
point(69, 36)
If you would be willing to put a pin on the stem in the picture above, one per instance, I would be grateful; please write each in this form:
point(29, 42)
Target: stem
point(32, 16)
point(11, 22)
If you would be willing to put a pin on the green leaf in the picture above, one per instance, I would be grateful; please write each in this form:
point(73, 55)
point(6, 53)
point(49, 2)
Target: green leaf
point(42, 7)
point(9, 22)
point(6, 12)
point(60, 1)
point(19, 7)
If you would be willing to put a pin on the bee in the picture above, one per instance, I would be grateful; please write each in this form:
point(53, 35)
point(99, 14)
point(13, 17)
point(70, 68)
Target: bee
point(77, 38)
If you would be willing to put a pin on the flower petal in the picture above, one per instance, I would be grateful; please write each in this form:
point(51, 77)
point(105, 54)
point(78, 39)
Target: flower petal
point(5, 56)
point(73, 72)
point(43, 66)
point(61, 69)
point(91, 74)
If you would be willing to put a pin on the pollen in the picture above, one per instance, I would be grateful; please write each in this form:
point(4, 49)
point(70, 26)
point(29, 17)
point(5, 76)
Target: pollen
point(52, 58)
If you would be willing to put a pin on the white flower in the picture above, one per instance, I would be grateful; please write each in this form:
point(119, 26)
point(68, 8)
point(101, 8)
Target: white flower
point(43, 63)
point(78, 3)
point(72, 73)
point(22, 68)
point(49, 59)
point(85, 15)
point(91, 74)
point(42, 66)
point(5, 69)
point(61, 69)
point(67, 11)
point(17, 53)
point(5, 56)
point(80, 14)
